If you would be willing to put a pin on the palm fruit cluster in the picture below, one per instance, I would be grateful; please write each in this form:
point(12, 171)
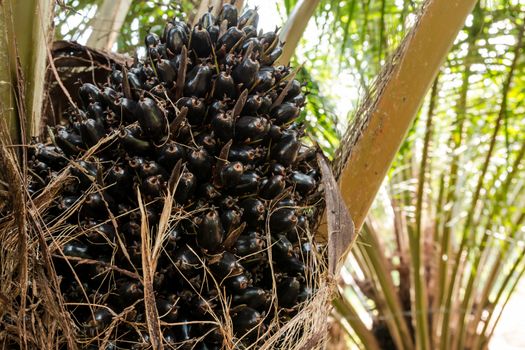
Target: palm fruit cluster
point(208, 113)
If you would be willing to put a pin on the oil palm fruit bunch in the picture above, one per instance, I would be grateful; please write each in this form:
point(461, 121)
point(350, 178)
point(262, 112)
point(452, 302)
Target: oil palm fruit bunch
point(209, 120)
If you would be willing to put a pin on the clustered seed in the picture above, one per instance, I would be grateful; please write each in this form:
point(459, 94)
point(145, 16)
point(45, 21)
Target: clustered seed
point(207, 115)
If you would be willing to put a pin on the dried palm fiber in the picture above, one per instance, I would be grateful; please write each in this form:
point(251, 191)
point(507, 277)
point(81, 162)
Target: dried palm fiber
point(175, 206)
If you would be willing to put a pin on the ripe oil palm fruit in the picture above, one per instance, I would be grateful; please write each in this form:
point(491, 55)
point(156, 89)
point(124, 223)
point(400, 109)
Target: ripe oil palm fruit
point(208, 102)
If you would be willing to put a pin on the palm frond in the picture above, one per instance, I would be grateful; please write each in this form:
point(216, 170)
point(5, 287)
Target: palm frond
point(457, 183)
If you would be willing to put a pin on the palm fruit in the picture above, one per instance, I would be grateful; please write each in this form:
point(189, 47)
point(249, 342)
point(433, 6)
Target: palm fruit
point(209, 119)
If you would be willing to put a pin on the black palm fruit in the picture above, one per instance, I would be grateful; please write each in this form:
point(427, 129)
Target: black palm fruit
point(207, 119)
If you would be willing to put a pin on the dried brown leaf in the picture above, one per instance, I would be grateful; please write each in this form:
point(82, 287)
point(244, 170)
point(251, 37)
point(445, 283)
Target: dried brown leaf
point(340, 224)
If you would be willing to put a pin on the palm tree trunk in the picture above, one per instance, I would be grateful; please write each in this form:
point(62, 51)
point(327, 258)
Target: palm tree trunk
point(23, 65)
point(107, 23)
